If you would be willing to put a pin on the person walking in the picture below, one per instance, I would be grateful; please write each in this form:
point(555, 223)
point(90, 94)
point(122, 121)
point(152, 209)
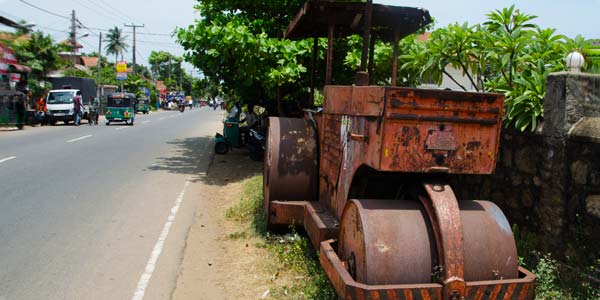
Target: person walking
point(77, 108)
point(41, 111)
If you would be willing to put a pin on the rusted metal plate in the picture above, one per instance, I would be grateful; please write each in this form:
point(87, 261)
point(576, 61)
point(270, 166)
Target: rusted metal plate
point(521, 288)
point(444, 214)
point(433, 130)
point(285, 213)
point(319, 223)
point(347, 288)
point(290, 166)
point(354, 100)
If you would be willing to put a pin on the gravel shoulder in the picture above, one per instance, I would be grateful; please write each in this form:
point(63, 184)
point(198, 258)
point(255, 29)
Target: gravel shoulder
point(217, 264)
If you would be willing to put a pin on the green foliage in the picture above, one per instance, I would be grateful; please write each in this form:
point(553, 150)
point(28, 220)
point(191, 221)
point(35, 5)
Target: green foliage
point(39, 53)
point(250, 210)
point(296, 253)
point(506, 54)
point(115, 42)
point(239, 49)
point(293, 251)
point(547, 277)
point(556, 280)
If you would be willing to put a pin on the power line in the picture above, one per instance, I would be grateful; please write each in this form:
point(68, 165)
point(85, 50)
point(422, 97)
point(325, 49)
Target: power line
point(97, 11)
point(157, 42)
point(44, 10)
point(112, 8)
point(142, 33)
point(52, 29)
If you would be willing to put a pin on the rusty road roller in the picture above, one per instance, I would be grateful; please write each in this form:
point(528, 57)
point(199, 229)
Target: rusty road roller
point(367, 176)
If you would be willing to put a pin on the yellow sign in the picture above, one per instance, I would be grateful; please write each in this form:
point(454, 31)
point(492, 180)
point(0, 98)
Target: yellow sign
point(121, 67)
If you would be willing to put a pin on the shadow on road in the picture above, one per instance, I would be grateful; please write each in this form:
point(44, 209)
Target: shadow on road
point(194, 154)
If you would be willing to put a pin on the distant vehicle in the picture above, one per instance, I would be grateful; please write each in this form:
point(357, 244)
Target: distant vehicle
point(13, 87)
point(142, 105)
point(60, 106)
point(60, 102)
point(120, 107)
point(12, 108)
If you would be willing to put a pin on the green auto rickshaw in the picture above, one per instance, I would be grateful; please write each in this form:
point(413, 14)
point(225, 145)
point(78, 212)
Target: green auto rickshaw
point(12, 108)
point(142, 105)
point(120, 107)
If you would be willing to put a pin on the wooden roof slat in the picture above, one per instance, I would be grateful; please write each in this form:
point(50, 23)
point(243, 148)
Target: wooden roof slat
point(313, 19)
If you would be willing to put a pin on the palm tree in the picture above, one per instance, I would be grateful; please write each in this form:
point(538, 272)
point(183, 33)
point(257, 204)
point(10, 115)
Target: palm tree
point(115, 42)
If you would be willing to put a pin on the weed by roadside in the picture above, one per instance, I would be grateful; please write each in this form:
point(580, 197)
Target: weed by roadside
point(555, 280)
point(295, 256)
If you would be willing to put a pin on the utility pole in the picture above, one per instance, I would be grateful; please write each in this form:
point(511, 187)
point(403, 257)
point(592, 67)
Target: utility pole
point(134, 27)
point(99, 60)
point(73, 32)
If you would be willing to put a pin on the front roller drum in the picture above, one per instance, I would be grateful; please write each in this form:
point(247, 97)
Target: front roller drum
point(393, 243)
point(290, 171)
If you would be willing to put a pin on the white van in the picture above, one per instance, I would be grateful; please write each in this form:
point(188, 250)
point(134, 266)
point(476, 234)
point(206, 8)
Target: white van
point(60, 106)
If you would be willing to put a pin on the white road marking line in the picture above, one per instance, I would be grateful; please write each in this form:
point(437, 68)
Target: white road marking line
point(7, 159)
point(161, 118)
point(145, 122)
point(79, 138)
point(122, 127)
point(145, 278)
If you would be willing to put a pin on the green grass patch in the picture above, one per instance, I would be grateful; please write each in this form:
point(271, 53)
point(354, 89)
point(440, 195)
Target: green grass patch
point(556, 280)
point(293, 251)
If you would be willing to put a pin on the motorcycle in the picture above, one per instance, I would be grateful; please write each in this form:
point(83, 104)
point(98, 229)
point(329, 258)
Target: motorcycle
point(256, 144)
point(181, 107)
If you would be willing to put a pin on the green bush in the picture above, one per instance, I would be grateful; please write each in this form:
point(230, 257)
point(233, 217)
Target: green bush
point(293, 251)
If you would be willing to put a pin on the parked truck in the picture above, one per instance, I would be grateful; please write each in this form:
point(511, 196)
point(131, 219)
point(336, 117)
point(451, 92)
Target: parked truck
point(60, 102)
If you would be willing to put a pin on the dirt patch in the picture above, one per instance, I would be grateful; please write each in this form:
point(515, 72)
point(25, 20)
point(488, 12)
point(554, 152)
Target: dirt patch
point(223, 259)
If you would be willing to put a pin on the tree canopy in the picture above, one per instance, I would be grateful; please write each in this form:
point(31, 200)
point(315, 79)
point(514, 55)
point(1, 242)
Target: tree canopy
point(237, 44)
point(115, 42)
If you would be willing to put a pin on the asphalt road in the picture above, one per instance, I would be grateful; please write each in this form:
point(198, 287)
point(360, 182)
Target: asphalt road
point(100, 212)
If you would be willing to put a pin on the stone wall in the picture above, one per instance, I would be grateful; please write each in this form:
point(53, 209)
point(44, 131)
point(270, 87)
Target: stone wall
point(548, 182)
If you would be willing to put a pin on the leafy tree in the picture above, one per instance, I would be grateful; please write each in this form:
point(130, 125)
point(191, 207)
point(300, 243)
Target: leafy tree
point(238, 47)
point(167, 67)
point(506, 54)
point(115, 42)
point(143, 71)
point(39, 53)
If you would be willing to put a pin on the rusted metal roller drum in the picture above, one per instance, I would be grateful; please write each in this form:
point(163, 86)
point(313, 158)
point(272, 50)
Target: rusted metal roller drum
point(393, 242)
point(490, 249)
point(290, 166)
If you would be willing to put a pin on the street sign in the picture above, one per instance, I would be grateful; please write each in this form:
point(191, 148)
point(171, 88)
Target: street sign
point(15, 77)
point(121, 76)
point(121, 67)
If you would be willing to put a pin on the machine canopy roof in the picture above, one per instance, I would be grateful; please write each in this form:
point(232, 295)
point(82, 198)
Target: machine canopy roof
point(313, 18)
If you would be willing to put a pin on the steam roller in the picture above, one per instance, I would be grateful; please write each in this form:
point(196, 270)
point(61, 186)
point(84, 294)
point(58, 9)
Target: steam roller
point(367, 176)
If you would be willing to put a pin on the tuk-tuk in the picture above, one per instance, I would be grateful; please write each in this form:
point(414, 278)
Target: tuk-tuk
point(142, 105)
point(120, 107)
point(13, 88)
point(12, 108)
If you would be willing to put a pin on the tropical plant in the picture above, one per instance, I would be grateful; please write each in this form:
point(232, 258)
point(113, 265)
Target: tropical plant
point(39, 53)
point(115, 42)
point(238, 47)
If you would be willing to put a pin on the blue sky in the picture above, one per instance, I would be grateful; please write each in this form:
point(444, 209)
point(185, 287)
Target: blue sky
point(161, 17)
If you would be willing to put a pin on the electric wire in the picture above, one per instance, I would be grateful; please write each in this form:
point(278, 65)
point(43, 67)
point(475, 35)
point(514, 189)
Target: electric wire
point(44, 10)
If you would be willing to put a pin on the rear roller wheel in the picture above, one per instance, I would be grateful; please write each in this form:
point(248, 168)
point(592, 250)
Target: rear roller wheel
point(393, 242)
point(290, 171)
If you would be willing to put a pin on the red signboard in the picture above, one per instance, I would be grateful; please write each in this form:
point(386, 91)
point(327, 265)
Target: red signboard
point(15, 77)
point(7, 59)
